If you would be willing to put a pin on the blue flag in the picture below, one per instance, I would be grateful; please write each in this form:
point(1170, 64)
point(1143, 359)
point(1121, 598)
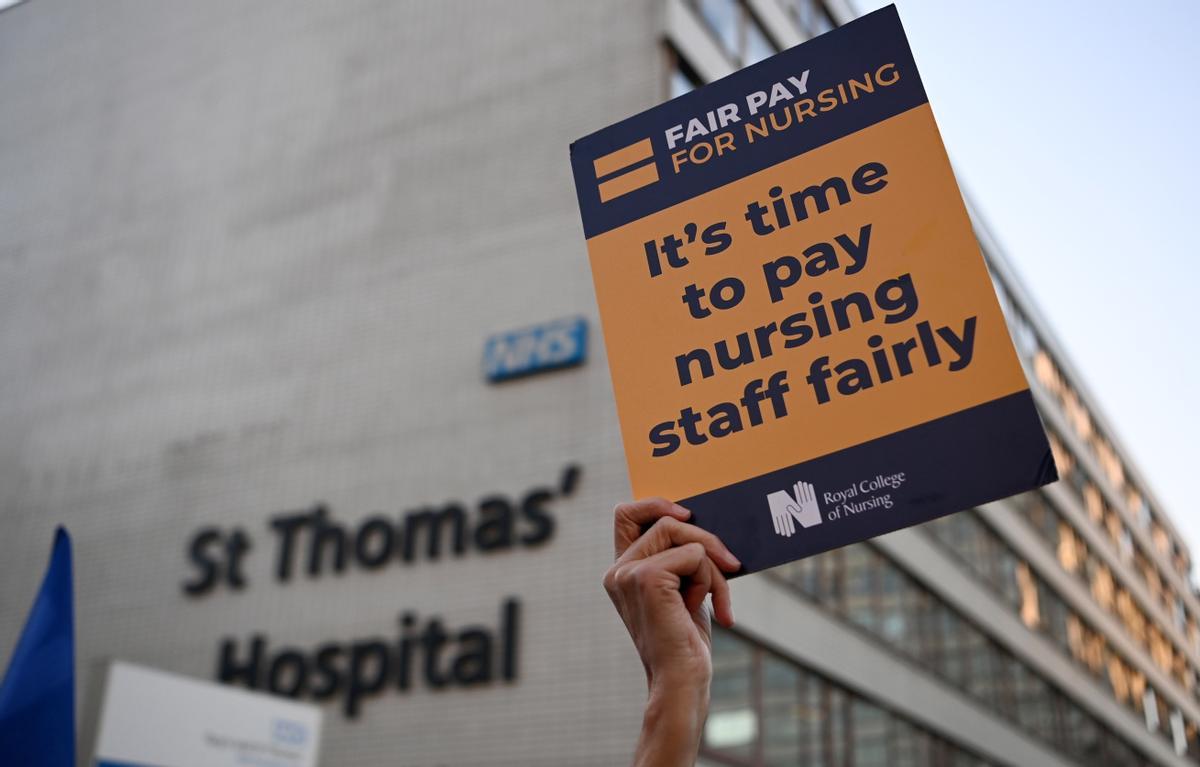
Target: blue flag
point(37, 696)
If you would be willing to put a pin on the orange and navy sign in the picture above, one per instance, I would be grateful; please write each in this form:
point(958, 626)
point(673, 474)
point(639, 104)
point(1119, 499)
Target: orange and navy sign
point(804, 341)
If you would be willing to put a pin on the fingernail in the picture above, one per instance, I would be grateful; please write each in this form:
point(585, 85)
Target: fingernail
point(684, 511)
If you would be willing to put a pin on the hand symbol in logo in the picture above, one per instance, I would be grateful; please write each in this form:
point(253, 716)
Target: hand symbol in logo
point(787, 510)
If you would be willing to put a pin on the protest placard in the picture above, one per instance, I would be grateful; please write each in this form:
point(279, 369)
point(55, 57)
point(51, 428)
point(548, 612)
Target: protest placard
point(804, 341)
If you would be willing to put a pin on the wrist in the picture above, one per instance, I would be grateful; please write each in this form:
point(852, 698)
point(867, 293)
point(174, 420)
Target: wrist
point(676, 692)
point(673, 722)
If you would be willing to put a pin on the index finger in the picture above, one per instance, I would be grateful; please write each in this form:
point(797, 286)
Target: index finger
point(630, 518)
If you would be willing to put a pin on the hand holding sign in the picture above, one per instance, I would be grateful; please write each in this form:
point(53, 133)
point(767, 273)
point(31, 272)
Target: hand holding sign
point(658, 584)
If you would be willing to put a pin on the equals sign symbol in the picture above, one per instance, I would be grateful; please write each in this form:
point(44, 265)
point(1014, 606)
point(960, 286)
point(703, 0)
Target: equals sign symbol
point(625, 170)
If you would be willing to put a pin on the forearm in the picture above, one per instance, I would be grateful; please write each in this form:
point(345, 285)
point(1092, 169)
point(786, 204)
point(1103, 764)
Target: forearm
point(672, 725)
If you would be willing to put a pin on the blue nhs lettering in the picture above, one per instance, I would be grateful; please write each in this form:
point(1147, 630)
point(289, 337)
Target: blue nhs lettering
point(549, 346)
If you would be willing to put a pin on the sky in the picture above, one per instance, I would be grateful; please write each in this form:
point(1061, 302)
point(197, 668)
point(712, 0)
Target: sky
point(1073, 126)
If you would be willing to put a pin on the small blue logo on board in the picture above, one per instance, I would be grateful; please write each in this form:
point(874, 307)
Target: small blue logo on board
point(288, 732)
point(549, 346)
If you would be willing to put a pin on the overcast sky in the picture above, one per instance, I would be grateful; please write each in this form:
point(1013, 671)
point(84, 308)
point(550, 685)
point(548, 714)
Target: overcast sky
point(1074, 126)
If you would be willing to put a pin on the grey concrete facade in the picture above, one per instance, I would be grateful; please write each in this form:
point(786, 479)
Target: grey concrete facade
point(249, 255)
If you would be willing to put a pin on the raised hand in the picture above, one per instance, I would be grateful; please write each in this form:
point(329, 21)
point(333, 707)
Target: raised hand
point(658, 584)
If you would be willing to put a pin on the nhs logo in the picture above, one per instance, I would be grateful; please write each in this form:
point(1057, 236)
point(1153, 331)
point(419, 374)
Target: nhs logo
point(549, 346)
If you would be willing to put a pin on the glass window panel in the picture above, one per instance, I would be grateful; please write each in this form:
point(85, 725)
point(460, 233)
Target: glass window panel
point(758, 46)
point(898, 599)
point(1024, 336)
point(1005, 565)
point(905, 745)
point(680, 83)
point(1140, 509)
point(956, 638)
point(1030, 607)
point(820, 23)
point(1126, 543)
point(1035, 704)
point(732, 726)
point(837, 733)
point(859, 578)
point(722, 17)
point(1193, 740)
point(683, 79)
point(1054, 614)
point(1178, 734)
point(1084, 734)
point(732, 732)
point(812, 16)
point(813, 720)
point(870, 735)
point(785, 720)
point(923, 748)
point(1150, 707)
point(982, 663)
point(1164, 718)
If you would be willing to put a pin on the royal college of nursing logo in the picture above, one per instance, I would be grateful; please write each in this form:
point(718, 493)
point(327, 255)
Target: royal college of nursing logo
point(789, 508)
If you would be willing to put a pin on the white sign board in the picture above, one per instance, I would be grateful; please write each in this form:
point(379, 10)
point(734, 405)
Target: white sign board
point(154, 719)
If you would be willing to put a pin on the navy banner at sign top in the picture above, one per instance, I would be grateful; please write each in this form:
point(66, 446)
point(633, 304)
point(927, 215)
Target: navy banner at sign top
point(835, 57)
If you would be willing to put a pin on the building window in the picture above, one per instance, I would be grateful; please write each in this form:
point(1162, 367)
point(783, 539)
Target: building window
point(1159, 536)
point(681, 78)
point(1024, 337)
point(732, 726)
point(767, 711)
point(723, 18)
point(866, 589)
point(1141, 509)
point(736, 31)
point(758, 45)
point(1125, 544)
point(1106, 518)
point(1150, 706)
point(810, 15)
point(985, 556)
point(1178, 732)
